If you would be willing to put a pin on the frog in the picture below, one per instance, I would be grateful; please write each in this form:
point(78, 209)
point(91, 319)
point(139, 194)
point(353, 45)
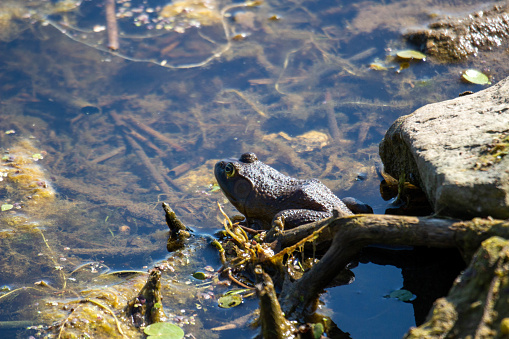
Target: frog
point(263, 194)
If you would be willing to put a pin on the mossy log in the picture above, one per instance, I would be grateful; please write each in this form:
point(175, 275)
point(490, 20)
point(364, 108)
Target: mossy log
point(350, 234)
point(272, 320)
point(476, 306)
point(178, 231)
point(146, 308)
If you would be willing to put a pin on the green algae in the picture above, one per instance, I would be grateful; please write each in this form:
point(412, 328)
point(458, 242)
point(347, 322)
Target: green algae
point(493, 152)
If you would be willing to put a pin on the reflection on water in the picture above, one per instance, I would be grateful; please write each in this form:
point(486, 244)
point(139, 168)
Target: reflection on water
point(123, 131)
point(366, 296)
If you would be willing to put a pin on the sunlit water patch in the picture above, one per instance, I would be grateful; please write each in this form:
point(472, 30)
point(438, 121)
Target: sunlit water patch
point(364, 309)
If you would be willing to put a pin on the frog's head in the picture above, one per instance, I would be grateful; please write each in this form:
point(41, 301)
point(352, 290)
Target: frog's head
point(235, 179)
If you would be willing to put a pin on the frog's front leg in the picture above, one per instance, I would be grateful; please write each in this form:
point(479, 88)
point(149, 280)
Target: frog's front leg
point(296, 217)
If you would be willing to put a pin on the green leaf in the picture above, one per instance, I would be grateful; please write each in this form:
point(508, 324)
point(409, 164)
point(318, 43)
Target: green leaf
point(164, 331)
point(215, 188)
point(317, 330)
point(37, 156)
point(402, 295)
point(200, 275)
point(476, 77)
point(230, 300)
point(411, 54)
point(6, 207)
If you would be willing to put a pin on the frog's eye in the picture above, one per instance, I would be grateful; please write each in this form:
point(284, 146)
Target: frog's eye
point(229, 169)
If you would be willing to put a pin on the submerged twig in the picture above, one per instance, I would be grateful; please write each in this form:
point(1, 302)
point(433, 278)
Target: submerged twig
point(232, 278)
point(111, 24)
point(331, 117)
point(147, 142)
point(52, 257)
point(155, 134)
point(97, 194)
point(108, 155)
point(14, 324)
point(146, 162)
point(249, 102)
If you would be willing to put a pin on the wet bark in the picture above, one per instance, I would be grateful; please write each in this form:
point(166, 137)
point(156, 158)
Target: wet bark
point(350, 234)
point(272, 319)
point(476, 305)
point(178, 231)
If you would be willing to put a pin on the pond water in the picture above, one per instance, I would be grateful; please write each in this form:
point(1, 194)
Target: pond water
point(94, 140)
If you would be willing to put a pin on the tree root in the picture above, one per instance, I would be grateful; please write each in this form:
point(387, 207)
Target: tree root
point(350, 234)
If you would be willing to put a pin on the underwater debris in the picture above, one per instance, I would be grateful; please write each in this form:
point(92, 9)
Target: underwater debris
point(157, 25)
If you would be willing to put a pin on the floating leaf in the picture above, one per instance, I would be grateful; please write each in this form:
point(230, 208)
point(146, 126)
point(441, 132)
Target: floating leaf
point(230, 300)
point(11, 131)
point(317, 330)
point(402, 295)
point(164, 331)
point(476, 77)
point(6, 207)
point(200, 275)
point(37, 156)
point(411, 54)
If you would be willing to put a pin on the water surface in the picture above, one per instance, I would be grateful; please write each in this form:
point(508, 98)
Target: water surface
point(120, 132)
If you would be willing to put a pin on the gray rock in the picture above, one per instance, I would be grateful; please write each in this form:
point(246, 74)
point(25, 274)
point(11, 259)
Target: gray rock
point(454, 150)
